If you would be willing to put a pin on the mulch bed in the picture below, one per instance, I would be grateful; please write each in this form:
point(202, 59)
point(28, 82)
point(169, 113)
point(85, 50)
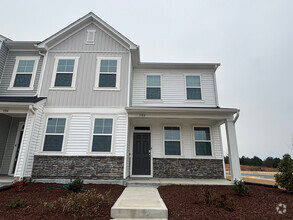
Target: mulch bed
point(181, 202)
point(36, 193)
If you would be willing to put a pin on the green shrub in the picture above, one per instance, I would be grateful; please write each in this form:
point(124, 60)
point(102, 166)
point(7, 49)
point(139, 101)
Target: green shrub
point(15, 202)
point(76, 185)
point(240, 188)
point(285, 176)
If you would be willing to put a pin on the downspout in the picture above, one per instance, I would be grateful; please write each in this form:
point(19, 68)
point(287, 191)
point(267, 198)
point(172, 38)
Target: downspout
point(236, 117)
point(41, 73)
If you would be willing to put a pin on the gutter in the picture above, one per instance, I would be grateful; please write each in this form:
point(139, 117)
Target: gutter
point(236, 117)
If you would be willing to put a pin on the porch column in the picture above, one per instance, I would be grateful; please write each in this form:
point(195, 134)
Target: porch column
point(233, 150)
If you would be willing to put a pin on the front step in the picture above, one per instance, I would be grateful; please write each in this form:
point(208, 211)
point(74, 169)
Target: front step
point(139, 203)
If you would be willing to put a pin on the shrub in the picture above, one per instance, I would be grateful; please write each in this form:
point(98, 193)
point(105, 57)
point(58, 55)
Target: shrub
point(15, 202)
point(285, 178)
point(76, 185)
point(240, 188)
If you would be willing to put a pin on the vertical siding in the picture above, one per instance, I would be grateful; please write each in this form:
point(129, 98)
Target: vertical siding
point(173, 88)
point(8, 70)
point(3, 56)
point(5, 122)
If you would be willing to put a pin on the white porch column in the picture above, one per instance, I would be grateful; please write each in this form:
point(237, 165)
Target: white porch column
point(233, 150)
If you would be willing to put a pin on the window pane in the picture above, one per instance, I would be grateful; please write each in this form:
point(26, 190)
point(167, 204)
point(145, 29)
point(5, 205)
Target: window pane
point(202, 134)
point(172, 133)
point(203, 148)
point(65, 66)
point(22, 80)
point(101, 143)
point(103, 126)
point(107, 80)
point(63, 79)
point(193, 93)
point(192, 80)
point(53, 142)
point(108, 66)
point(56, 125)
point(172, 147)
point(154, 81)
point(153, 93)
point(26, 66)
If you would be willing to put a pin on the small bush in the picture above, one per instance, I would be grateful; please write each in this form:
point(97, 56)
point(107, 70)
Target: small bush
point(76, 185)
point(285, 178)
point(16, 202)
point(240, 188)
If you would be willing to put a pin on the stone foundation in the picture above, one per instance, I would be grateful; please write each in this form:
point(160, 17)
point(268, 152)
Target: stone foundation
point(188, 168)
point(84, 167)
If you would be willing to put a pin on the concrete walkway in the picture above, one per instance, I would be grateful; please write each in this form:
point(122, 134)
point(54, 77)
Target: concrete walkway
point(139, 203)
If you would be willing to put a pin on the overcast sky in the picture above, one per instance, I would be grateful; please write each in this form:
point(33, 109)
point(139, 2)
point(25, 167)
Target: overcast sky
point(253, 41)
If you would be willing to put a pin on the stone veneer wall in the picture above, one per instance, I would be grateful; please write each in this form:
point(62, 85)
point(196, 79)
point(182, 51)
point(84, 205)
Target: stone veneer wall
point(188, 168)
point(84, 167)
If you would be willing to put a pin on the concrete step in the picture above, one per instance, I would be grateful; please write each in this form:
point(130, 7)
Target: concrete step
point(139, 203)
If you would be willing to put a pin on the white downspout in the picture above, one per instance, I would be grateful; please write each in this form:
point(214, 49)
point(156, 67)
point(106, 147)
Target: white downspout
point(45, 55)
point(236, 117)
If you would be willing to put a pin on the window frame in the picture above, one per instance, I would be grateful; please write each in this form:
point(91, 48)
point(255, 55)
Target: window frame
point(74, 73)
point(88, 41)
point(211, 141)
point(118, 73)
point(164, 147)
point(94, 117)
point(14, 73)
point(201, 90)
point(146, 87)
point(64, 134)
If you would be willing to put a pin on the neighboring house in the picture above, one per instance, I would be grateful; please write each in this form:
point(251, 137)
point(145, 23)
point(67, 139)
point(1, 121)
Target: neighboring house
point(86, 106)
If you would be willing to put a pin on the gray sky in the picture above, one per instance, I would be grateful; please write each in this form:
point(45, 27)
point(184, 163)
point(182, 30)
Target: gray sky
point(253, 40)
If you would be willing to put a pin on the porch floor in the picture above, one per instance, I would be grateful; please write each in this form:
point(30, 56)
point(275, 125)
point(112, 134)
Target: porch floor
point(6, 180)
point(155, 182)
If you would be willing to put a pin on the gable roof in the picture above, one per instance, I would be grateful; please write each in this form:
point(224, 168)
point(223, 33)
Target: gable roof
point(90, 17)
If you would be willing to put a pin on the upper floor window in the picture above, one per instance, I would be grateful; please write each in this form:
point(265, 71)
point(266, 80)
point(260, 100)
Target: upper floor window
point(90, 39)
point(193, 88)
point(54, 135)
point(202, 140)
point(24, 73)
point(65, 70)
point(108, 73)
point(153, 87)
point(172, 140)
point(102, 135)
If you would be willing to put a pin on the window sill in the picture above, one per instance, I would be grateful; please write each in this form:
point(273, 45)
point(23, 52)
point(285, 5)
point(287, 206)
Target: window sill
point(55, 153)
point(62, 88)
point(106, 89)
point(190, 100)
point(204, 157)
point(20, 88)
point(101, 153)
point(153, 100)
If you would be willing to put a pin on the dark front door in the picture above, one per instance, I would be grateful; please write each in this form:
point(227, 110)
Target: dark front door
point(141, 162)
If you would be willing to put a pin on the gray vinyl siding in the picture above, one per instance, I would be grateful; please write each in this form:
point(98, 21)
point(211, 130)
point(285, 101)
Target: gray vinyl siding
point(77, 42)
point(3, 56)
point(85, 95)
point(9, 145)
point(5, 122)
point(8, 70)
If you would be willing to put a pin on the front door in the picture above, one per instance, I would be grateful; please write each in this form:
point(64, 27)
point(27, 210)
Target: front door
point(141, 162)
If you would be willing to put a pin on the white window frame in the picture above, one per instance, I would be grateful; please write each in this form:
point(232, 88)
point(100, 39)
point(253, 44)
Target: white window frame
point(53, 87)
point(164, 139)
point(118, 73)
point(64, 134)
point(94, 117)
point(89, 33)
point(146, 87)
point(17, 59)
point(185, 91)
point(211, 141)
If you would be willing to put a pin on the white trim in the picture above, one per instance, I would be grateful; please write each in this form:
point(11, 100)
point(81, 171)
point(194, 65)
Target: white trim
point(74, 73)
point(42, 74)
point(146, 86)
point(185, 88)
point(89, 33)
point(129, 81)
point(210, 141)
point(33, 73)
point(104, 153)
point(181, 142)
point(118, 73)
point(90, 110)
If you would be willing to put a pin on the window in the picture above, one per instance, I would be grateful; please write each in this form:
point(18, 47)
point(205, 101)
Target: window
point(65, 72)
point(108, 73)
point(153, 87)
point(172, 140)
point(24, 72)
point(193, 89)
point(90, 37)
point(202, 141)
point(102, 135)
point(54, 134)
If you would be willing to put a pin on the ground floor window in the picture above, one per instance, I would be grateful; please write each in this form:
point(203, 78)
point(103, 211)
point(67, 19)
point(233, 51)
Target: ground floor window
point(54, 134)
point(102, 135)
point(172, 140)
point(202, 141)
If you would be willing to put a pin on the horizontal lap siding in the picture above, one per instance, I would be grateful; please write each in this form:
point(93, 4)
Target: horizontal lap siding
point(120, 135)
point(3, 56)
point(173, 88)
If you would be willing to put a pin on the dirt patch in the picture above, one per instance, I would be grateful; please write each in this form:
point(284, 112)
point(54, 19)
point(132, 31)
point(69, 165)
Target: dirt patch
point(37, 193)
point(253, 168)
point(181, 202)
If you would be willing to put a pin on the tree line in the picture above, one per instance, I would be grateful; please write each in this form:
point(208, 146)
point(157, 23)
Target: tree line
point(256, 161)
